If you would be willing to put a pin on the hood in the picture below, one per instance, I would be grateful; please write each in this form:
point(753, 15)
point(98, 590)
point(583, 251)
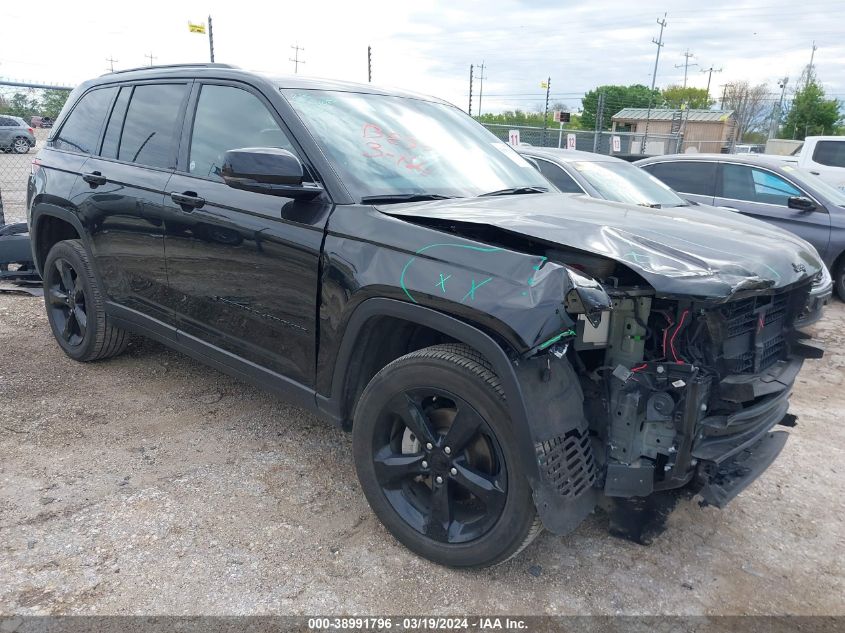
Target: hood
point(701, 251)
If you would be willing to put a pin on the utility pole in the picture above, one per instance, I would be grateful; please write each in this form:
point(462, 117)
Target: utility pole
point(710, 72)
point(470, 90)
point(151, 57)
point(659, 42)
point(810, 67)
point(295, 59)
point(370, 64)
point(686, 65)
point(546, 111)
point(481, 79)
point(210, 40)
point(778, 113)
point(111, 61)
point(599, 122)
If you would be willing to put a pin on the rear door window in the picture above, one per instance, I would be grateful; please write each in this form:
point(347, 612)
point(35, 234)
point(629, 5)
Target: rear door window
point(695, 177)
point(81, 130)
point(830, 153)
point(150, 127)
point(742, 182)
point(557, 176)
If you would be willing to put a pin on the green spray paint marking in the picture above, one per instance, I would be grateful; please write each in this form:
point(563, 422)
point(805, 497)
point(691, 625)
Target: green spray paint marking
point(480, 249)
point(471, 293)
point(537, 267)
point(638, 258)
point(442, 282)
point(555, 339)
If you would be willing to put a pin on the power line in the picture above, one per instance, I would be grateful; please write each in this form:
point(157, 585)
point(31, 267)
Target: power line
point(295, 59)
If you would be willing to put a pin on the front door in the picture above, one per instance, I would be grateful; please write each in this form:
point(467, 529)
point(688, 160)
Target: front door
point(242, 266)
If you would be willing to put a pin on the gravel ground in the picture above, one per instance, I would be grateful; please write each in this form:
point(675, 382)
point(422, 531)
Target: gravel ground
point(150, 484)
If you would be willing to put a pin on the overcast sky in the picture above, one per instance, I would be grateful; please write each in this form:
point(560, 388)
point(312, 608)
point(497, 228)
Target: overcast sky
point(428, 46)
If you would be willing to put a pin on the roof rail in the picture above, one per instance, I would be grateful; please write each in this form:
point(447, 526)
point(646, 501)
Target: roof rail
point(197, 65)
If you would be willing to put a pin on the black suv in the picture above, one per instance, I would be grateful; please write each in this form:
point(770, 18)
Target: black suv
point(505, 357)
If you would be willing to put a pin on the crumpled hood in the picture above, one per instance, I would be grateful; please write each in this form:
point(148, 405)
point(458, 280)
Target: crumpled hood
point(701, 251)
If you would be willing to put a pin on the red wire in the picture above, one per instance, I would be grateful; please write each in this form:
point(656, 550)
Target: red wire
point(643, 366)
point(672, 341)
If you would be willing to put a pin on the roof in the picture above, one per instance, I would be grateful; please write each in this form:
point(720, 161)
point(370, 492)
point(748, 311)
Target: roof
point(666, 114)
point(567, 155)
point(228, 71)
point(764, 160)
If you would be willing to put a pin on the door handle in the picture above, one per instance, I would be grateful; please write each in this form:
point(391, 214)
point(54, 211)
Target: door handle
point(95, 179)
point(187, 199)
point(815, 173)
point(727, 208)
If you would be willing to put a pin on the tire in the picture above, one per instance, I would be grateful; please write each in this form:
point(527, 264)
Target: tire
point(482, 512)
point(839, 278)
point(20, 145)
point(74, 304)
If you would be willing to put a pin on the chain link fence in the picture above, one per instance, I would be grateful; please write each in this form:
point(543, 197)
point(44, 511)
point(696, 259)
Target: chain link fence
point(604, 142)
point(14, 174)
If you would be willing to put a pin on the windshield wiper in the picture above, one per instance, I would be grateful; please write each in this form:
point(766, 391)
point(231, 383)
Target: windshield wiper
point(403, 197)
point(515, 191)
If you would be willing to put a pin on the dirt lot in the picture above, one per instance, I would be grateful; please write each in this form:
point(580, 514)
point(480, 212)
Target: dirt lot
point(152, 485)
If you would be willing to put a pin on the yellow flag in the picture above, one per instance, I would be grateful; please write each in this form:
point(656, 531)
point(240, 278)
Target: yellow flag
point(196, 28)
point(544, 84)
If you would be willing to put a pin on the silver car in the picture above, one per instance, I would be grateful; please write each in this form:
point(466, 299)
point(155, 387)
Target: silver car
point(15, 135)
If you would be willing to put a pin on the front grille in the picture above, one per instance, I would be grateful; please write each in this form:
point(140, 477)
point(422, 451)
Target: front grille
point(567, 463)
point(753, 330)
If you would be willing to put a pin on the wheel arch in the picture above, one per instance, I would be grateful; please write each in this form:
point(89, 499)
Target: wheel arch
point(50, 224)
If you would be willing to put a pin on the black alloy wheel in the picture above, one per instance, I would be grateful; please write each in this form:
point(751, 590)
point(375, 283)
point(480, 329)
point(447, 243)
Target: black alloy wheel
point(66, 301)
point(439, 465)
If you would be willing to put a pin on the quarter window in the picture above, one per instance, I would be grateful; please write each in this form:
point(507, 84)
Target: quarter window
point(230, 118)
point(695, 177)
point(81, 130)
point(115, 124)
point(558, 177)
point(149, 131)
point(830, 153)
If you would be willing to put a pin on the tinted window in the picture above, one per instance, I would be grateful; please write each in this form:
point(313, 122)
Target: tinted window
point(230, 118)
point(149, 131)
point(696, 177)
point(741, 182)
point(830, 153)
point(115, 124)
point(6, 121)
point(81, 130)
point(558, 177)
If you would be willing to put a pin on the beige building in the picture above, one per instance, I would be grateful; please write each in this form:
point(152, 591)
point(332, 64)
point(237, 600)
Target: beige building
point(701, 130)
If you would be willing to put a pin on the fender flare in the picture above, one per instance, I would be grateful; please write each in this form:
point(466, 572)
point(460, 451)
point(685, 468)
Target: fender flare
point(461, 331)
point(40, 210)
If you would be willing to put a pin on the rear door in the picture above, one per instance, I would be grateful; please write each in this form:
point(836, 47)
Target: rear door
point(121, 198)
point(828, 161)
point(243, 266)
point(6, 125)
point(694, 179)
point(763, 194)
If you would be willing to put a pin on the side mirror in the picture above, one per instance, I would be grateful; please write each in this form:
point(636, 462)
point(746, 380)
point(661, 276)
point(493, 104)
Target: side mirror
point(269, 170)
point(801, 203)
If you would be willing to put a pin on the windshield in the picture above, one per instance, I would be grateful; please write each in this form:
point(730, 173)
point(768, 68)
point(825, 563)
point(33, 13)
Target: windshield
point(385, 146)
point(623, 182)
point(834, 195)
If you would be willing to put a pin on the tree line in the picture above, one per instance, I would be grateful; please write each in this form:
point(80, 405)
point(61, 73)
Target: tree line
point(809, 112)
point(25, 105)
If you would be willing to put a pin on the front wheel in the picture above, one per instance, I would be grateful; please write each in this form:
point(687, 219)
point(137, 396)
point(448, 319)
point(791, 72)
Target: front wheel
point(437, 459)
point(839, 278)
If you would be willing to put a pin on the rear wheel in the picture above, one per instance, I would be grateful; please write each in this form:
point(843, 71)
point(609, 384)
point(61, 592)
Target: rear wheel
point(437, 459)
point(75, 307)
point(20, 145)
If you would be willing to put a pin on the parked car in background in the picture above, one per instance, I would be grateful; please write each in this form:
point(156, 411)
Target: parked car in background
point(822, 156)
point(766, 188)
point(15, 135)
point(609, 178)
point(41, 121)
